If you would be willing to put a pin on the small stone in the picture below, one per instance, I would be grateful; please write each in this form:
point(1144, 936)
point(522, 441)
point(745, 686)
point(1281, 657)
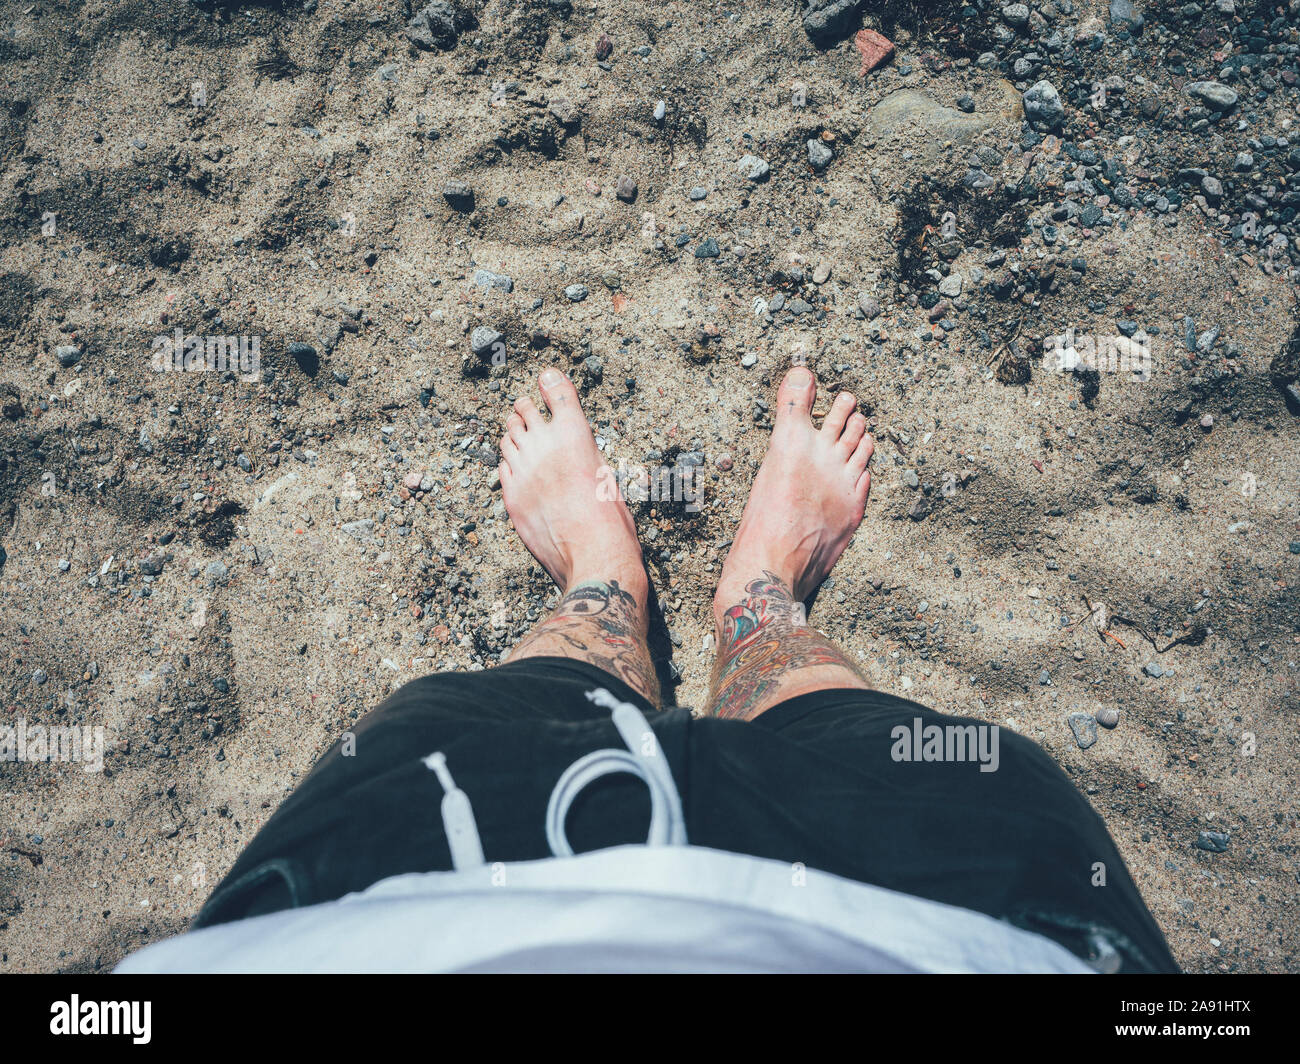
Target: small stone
point(951, 285)
point(749, 360)
point(1084, 728)
point(1214, 95)
point(1016, 15)
point(819, 155)
point(699, 192)
point(67, 355)
point(708, 249)
point(576, 293)
point(661, 111)
point(487, 280)
point(1043, 107)
point(1107, 717)
point(1207, 422)
point(625, 188)
point(604, 47)
point(1153, 669)
point(874, 49)
point(724, 462)
point(1213, 841)
point(483, 339)
point(753, 168)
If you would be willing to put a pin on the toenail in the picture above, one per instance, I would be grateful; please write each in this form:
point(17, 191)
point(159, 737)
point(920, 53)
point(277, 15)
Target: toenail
point(800, 378)
point(552, 377)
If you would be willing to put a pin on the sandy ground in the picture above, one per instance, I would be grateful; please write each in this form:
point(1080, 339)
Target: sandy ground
point(223, 624)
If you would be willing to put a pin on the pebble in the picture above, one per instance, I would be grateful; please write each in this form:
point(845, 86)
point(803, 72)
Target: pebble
point(753, 168)
point(749, 360)
point(699, 192)
point(1107, 717)
point(487, 280)
point(625, 188)
point(67, 355)
point(576, 293)
point(1153, 669)
point(661, 110)
point(1043, 107)
point(819, 154)
point(1213, 94)
point(1084, 728)
point(1213, 841)
point(482, 339)
point(708, 249)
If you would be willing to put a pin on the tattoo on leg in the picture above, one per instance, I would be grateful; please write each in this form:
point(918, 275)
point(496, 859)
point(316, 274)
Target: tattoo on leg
point(600, 623)
point(764, 639)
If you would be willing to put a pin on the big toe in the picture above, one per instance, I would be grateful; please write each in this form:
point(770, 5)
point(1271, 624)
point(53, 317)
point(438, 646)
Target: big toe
point(560, 394)
point(794, 399)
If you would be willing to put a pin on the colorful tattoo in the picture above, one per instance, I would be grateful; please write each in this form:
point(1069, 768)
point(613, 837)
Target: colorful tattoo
point(764, 639)
point(599, 623)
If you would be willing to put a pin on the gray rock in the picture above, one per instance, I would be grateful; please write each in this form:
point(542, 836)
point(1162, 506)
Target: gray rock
point(576, 293)
point(1214, 841)
point(1126, 13)
point(1107, 717)
point(1016, 15)
point(1084, 728)
point(826, 21)
point(438, 25)
point(753, 168)
point(483, 339)
point(951, 285)
point(1212, 94)
point(661, 111)
point(1043, 106)
point(819, 154)
point(907, 112)
point(67, 355)
point(699, 192)
point(487, 280)
point(708, 249)
point(625, 188)
point(1212, 187)
point(1153, 669)
point(869, 305)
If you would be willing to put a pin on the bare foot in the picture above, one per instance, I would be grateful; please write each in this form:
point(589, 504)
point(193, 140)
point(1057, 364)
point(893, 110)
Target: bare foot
point(808, 498)
point(556, 490)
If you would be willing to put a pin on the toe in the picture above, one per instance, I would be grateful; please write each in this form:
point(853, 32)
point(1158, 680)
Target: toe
point(515, 431)
point(528, 412)
point(560, 394)
point(862, 455)
point(853, 433)
point(513, 421)
point(794, 399)
point(505, 473)
point(838, 414)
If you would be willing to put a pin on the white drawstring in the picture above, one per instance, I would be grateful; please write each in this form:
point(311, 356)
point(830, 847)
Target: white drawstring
point(667, 824)
point(457, 817)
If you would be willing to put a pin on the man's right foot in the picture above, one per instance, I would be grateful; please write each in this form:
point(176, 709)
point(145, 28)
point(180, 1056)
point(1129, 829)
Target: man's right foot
point(808, 498)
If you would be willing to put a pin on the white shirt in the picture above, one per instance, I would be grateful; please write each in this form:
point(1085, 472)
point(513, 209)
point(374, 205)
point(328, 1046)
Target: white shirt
point(629, 908)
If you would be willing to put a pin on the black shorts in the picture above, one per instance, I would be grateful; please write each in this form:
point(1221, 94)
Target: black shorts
point(814, 780)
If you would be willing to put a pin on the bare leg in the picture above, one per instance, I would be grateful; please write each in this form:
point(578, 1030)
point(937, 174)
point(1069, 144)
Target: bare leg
point(563, 502)
point(806, 503)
